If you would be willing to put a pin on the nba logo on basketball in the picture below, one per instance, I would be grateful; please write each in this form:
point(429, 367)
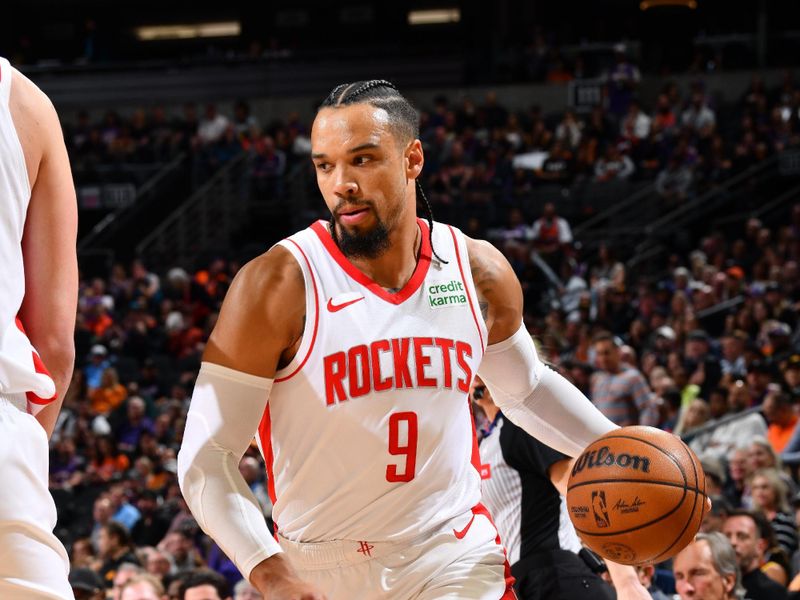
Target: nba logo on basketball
point(599, 509)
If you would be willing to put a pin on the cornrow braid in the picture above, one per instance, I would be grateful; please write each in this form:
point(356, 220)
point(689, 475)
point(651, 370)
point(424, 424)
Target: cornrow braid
point(371, 85)
point(429, 217)
point(403, 119)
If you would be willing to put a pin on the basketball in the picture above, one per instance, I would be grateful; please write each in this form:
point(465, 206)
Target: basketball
point(637, 495)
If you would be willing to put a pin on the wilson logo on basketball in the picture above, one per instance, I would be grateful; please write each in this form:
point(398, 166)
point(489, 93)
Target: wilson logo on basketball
point(605, 458)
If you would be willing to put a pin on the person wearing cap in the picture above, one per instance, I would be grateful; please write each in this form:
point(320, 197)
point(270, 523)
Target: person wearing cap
point(97, 363)
point(779, 335)
point(86, 584)
point(791, 375)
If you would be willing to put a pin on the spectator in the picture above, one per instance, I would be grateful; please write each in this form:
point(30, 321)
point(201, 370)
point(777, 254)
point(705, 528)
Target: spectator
point(212, 126)
point(703, 367)
point(142, 587)
point(134, 425)
point(568, 132)
point(635, 126)
point(552, 236)
point(179, 546)
point(619, 391)
point(732, 363)
point(124, 512)
point(123, 575)
point(729, 435)
point(114, 549)
point(770, 496)
point(108, 462)
point(109, 394)
point(748, 533)
point(708, 568)
point(253, 473)
point(781, 418)
point(158, 563)
point(151, 528)
point(98, 363)
point(791, 375)
point(714, 519)
point(613, 165)
point(244, 590)
point(558, 166)
point(674, 182)
point(698, 116)
point(646, 575)
point(86, 584)
point(623, 80)
point(203, 584)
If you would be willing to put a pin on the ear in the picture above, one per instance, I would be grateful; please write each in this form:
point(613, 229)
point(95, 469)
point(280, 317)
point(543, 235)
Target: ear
point(762, 545)
point(415, 159)
point(729, 583)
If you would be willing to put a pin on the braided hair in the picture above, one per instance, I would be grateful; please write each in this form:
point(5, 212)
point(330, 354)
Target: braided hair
point(403, 118)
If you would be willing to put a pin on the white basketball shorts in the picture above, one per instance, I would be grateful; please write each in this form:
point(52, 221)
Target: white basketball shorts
point(33, 563)
point(462, 559)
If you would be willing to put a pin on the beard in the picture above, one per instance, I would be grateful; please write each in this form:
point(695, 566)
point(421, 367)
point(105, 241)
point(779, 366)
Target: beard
point(370, 244)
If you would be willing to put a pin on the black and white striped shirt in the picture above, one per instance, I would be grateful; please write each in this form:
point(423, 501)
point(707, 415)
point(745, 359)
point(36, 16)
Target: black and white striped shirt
point(529, 512)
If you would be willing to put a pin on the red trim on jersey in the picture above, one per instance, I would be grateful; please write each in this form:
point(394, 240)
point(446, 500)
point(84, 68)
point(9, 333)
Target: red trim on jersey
point(265, 431)
point(316, 318)
point(480, 509)
point(466, 287)
point(39, 367)
point(413, 284)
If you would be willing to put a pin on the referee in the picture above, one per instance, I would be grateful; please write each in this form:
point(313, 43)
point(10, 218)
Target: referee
point(521, 482)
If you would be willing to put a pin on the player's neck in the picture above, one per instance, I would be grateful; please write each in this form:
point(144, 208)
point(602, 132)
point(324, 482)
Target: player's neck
point(392, 269)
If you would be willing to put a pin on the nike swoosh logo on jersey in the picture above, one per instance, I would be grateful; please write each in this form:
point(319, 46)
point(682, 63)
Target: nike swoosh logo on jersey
point(337, 307)
point(460, 534)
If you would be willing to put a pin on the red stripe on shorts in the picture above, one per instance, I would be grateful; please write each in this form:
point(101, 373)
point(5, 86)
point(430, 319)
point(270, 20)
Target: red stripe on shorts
point(510, 594)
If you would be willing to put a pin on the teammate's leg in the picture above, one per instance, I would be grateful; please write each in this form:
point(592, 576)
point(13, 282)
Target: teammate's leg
point(33, 563)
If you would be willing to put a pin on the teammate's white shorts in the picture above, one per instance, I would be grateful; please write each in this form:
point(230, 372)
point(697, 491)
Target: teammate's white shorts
point(33, 563)
point(462, 559)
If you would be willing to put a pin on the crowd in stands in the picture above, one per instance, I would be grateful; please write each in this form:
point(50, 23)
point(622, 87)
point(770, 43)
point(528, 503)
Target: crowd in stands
point(715, 336)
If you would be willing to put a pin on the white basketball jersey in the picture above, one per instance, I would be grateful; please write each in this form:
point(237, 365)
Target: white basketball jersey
point(368, 432)
point(21, 369)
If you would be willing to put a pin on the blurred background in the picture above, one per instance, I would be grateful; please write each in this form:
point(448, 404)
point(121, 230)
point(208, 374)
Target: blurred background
point(637, 162)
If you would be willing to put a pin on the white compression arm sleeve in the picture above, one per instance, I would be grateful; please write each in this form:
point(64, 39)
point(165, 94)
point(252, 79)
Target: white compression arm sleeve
point(538, 399)
point(223, 418)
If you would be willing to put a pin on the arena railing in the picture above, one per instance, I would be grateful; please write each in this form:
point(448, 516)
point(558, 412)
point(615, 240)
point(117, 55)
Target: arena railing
point(693, 434)
point(203, 221)
point(144, 196)
point(692, 211)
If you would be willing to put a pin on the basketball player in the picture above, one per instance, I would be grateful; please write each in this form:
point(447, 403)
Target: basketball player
point(524, 482)
point(38, 298)
point(364, 334)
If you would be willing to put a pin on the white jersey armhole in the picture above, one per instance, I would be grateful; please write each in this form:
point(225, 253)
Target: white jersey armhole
point(311, 324)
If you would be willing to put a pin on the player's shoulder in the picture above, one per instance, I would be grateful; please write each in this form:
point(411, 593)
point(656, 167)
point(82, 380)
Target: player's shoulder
point(485, 259)
point(28, 97)
point(274, 273)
